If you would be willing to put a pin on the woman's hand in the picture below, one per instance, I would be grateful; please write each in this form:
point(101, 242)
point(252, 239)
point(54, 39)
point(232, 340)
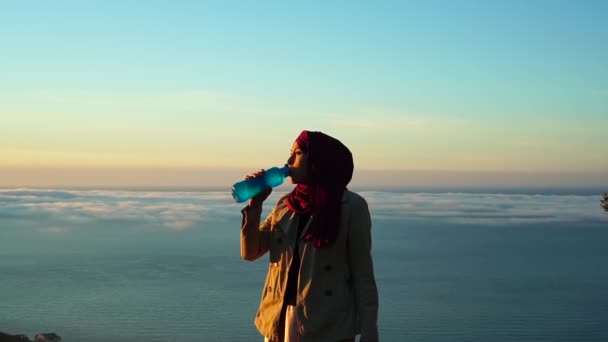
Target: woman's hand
point(258, 200)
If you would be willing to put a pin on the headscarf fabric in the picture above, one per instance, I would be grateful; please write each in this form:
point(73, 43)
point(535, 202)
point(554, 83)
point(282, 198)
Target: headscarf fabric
point(330, 169)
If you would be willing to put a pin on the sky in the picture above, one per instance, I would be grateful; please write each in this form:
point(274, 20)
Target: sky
point(198, 93)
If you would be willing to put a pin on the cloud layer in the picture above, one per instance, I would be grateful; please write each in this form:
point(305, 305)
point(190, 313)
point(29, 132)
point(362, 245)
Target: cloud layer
point(486, 209)
point(174, 210)
point(183, 210)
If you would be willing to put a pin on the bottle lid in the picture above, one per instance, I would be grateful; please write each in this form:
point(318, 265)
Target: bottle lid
point(286, 171)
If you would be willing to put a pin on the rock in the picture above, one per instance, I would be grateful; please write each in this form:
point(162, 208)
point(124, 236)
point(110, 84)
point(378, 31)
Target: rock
point(13, 338)
point(47, 337)
point(604, 202)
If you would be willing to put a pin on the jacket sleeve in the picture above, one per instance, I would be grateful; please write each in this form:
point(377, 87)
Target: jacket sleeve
point(360, 260)
point(254, 236)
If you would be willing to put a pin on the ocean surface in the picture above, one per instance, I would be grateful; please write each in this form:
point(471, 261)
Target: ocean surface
point(117, 265)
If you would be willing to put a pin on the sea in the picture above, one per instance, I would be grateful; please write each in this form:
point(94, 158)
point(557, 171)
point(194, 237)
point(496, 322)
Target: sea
point(154, 265)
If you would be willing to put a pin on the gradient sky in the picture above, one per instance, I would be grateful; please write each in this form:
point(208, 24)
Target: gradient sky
point(505, 88)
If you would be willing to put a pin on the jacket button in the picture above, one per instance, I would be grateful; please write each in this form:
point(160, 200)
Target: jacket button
point(328, 268)
point(328, 293)
point(269, 288)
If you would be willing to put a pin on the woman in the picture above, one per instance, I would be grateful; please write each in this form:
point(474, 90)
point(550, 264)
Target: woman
point(320, 284)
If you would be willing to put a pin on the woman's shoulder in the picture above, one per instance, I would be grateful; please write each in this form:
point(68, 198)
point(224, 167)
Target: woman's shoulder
point(281, 204)
point(282, 201)
point(353, 198)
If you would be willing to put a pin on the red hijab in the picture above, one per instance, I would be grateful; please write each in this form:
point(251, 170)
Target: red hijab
point(330, 169)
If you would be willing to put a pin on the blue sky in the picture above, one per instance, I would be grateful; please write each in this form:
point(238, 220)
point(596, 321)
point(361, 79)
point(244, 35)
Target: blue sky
point(467, 86)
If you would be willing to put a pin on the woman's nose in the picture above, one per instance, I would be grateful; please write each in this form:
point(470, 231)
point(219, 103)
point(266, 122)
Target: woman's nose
point(290, 160)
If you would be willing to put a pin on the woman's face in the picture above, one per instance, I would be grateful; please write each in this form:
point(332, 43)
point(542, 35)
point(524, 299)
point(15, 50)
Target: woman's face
point(298, 165)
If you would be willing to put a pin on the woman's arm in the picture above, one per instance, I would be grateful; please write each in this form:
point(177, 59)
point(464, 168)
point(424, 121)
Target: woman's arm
point(360, 259)
point(254, 236)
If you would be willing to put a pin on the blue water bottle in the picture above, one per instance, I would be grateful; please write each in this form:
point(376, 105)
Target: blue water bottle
point(248, 188)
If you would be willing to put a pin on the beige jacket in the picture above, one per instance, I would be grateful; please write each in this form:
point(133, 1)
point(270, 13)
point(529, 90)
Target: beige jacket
point(337, 296)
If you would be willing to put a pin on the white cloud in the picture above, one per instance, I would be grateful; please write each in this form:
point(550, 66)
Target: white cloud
point(485, 209)
point(174, 210)
point(184, 210)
